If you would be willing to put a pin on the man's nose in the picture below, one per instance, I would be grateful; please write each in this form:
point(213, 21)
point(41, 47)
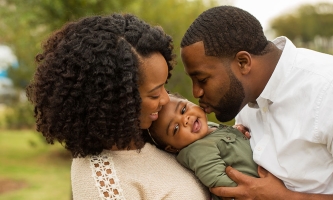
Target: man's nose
point(197, 91)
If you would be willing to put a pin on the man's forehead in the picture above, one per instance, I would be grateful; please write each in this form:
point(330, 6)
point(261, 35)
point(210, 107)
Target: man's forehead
point(195, 48)
point(195, 72)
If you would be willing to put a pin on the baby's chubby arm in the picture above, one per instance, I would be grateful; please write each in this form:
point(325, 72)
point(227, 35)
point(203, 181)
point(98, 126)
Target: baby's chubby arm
point(205, 160)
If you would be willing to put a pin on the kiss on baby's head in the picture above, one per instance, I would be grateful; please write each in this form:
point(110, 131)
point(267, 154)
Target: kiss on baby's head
point(179, 124)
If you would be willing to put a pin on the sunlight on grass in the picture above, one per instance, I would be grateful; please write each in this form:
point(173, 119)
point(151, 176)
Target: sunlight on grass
point(27, 158)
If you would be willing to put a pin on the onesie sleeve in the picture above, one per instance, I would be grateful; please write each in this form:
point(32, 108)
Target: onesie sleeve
point(205, 160)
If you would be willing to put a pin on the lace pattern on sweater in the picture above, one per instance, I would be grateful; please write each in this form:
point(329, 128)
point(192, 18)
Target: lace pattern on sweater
point(106, 179)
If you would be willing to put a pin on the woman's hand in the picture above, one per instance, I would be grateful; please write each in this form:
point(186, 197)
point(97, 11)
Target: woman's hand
point(243, 129)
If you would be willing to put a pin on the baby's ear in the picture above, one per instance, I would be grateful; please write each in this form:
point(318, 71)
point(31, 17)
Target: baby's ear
point(171, 149)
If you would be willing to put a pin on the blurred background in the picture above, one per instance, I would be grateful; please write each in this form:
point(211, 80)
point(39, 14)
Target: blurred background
point(32, 169)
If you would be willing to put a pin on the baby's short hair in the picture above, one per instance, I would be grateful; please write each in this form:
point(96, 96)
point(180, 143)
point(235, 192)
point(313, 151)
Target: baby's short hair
point(176, 95)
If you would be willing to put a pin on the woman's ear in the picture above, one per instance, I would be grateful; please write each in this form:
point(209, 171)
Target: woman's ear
point(244, 60)
point(171, 149)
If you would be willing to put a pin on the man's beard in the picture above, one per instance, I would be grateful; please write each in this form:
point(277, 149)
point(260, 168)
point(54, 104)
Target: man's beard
point(229, 105)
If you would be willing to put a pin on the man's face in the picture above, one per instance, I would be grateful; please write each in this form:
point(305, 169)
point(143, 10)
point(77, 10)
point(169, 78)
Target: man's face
point(214, 83)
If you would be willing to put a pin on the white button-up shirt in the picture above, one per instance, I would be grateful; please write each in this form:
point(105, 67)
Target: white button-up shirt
point(292, 123)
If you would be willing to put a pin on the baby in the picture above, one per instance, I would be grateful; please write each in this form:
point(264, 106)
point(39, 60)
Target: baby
point(205, 147)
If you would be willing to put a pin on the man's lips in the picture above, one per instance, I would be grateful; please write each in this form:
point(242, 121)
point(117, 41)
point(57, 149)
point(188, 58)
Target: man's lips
point(205, 107)
point(202, 105)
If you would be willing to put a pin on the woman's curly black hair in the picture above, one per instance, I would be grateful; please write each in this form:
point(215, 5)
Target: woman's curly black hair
point(226, 30)
point(85, 88)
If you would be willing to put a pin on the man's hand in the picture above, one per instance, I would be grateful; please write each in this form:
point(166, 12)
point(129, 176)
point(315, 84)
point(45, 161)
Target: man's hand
point(243, 129)
point(249, 188)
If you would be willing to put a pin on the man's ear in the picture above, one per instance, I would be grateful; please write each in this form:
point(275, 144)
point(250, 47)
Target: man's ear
point(244, 60)
point(171, 149)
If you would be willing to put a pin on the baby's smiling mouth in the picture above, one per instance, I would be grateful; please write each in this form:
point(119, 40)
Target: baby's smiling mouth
point(196, 126)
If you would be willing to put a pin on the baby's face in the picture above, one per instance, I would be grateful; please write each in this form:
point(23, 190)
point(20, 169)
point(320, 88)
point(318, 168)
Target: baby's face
point(180, 123)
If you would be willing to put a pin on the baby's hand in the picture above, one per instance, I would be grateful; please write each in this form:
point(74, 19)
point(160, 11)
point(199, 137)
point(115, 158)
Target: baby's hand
point(243, 129)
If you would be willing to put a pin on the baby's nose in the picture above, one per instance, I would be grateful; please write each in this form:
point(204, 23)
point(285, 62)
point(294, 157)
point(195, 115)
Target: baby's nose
point(187, 119)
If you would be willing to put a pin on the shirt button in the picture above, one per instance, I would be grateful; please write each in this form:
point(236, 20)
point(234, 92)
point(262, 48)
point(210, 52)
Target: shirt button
point(265, 109)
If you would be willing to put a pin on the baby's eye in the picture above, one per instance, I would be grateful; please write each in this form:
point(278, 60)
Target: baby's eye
point(176, 129)
point(183, 110)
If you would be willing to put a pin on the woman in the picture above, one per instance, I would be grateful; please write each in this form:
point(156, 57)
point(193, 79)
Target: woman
point(99, 84)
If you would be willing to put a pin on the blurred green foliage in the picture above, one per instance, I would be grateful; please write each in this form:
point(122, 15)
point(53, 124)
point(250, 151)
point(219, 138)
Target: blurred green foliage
point(25, 24)
point(40, 171)
point(309, 26)
point(20, 116)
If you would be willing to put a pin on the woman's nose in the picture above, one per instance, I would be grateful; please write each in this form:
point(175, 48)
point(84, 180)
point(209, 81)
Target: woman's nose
point(164, 98)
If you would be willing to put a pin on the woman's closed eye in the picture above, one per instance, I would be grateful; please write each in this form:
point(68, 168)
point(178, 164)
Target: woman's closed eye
point(155, 97)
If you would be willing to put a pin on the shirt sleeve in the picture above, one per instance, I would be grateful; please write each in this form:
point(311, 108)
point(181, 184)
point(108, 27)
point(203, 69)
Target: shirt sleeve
point(205, 160)
point(325, 119)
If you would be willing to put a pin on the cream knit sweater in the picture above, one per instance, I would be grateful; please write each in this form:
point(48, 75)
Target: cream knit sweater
point(151, 174)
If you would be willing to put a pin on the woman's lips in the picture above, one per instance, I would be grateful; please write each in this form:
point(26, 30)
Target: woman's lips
point(196, 126)
point(154, 116)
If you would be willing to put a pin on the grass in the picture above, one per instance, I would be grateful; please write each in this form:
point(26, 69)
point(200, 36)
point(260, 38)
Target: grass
point(43, 169)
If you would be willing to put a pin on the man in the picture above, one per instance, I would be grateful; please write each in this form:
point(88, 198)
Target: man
point(282, 93)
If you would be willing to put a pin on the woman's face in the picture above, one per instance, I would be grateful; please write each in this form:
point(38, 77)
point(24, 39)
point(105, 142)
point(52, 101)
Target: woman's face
point(154, 73)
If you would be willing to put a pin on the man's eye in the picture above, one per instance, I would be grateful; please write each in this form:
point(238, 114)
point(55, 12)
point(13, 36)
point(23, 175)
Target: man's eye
point(202, 80)
point(176, 129)
point(183, 110)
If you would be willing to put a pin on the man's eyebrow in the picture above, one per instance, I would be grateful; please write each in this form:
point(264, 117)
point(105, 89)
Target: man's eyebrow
point(195, 73)
point(171, 120)
point(155, 88)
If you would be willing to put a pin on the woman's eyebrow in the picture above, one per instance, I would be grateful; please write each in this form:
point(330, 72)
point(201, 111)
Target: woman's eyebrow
point(171, 119)
point(156, 88)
